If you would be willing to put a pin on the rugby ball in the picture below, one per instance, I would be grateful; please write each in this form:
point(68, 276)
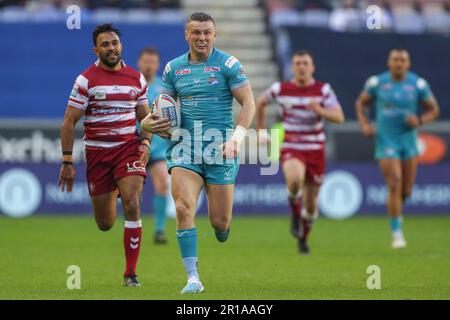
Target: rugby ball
point(166, 107)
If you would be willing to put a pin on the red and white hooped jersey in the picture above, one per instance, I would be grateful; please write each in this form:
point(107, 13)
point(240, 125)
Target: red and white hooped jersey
point(303, 128)
point(109, 100)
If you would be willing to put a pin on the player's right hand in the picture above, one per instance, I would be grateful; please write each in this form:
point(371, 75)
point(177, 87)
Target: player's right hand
point(66, 177)
point(368, 129)
point(153, 124)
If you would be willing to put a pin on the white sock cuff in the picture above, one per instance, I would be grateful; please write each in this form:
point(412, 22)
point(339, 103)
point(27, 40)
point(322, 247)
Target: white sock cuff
point(133, 224)
point(308, 215)
point(295, 196)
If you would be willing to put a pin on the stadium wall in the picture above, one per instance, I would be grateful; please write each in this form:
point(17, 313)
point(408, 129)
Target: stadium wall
point(349, 189)
point(40, 61)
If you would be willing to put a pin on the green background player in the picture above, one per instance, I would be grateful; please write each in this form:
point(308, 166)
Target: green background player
point(396, 95)
point(205, 80)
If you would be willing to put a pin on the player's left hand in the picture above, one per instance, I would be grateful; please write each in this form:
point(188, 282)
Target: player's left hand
point(412, 120)
point(145, 154)
point(230, 149)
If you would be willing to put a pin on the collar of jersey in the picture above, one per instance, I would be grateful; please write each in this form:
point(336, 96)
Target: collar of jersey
point(213, 53)
point(97, 63)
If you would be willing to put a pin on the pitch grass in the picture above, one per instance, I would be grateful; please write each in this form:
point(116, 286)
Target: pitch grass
point(260, 260)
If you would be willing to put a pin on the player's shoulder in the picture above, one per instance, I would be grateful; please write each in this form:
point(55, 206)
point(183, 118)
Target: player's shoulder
point(324, 87)
point(175, 63)
point(225, 59)
point(376, 79)
point(416, 80)
point(276, 86)
point(320, 84)
point(89, 72)
point(84, 77)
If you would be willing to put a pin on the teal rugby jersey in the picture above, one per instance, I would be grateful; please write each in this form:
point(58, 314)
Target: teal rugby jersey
point(394, 100)
point(159, 145)
point(205, 90)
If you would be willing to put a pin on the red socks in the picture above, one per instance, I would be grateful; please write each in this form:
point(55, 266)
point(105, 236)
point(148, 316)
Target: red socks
point(132, 243)
point(295, 202)
point(306, 228)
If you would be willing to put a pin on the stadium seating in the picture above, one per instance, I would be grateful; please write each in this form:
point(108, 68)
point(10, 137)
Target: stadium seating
point(404, 16)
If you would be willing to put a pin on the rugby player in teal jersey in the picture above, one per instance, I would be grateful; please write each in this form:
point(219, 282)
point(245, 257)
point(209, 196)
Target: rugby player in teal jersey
point(396, 94)
point(205, 80)
point(148, 64)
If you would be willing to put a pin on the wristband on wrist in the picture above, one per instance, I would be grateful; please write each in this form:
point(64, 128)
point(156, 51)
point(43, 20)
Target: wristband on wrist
point(67, 163)
point(145, 138)
point(146, 144)
point(239, 134)
point(67, 153)
point(67, 158)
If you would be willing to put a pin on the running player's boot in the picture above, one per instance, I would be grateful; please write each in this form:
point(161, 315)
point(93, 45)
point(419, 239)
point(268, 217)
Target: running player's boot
point(295, 226)
point(193, 286)
point(160, 238)
point(398, 240)
point(131, 281)
point(303, 247)
point(222, 236)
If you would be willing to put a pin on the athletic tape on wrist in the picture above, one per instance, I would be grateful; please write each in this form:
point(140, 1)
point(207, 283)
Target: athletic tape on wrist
point(239, 134)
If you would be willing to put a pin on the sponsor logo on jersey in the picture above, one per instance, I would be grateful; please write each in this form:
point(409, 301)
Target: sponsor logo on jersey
point(386, 86)
point(108, 111)
point(136, 166)
point(182, 72)
point(74, 92)
point(211, 69)
point(212, 80)
point(100, 94)
point(133, 94)
point(241, 73)
point(231, 61)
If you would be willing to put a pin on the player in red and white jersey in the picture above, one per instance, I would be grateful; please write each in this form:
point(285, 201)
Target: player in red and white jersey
point(111, 97)
point(305, 104)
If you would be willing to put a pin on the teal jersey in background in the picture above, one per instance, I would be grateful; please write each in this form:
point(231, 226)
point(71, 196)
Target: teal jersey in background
point(159, 145)
point(394, 101)
point(154, 89)
point(204, 90)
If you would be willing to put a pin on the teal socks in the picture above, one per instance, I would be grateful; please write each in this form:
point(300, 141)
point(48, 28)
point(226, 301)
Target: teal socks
point(396, 224)
point(187, 241)
point(159, 209)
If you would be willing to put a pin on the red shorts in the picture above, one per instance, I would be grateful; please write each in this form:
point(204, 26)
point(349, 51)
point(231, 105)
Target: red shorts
point(107, 165)
point(314, 160)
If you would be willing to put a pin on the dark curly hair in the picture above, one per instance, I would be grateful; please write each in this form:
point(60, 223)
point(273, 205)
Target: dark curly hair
point(107, 27)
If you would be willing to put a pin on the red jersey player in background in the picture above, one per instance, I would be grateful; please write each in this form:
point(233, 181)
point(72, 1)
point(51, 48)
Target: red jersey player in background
point(305, 103)
point(111, 96)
